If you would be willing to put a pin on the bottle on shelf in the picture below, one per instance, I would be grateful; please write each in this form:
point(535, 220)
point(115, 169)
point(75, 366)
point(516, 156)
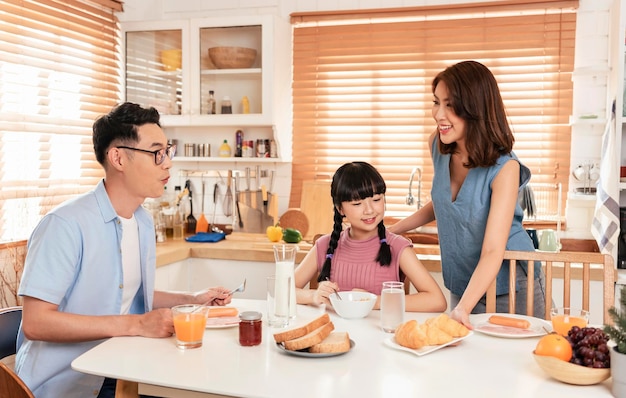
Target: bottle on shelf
point(239, 144)
point(225, 150)
point(212, 109)
point(227, 106)
point(245, 105)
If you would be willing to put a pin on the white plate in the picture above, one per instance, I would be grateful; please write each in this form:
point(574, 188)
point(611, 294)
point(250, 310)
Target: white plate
point(482, 325)
point(312, 354)
point(219, 323)
point(391, 342)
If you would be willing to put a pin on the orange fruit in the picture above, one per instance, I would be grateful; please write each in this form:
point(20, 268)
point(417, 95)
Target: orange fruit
point(554, 345)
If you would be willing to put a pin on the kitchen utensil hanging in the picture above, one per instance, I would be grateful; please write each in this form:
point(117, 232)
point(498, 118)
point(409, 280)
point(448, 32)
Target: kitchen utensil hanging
point(228, 197)
point(237, 201)
point(202, 225)
point(191, 220)
point(216, 190)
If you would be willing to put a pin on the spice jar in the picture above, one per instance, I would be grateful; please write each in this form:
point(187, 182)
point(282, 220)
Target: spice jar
point(250, 331)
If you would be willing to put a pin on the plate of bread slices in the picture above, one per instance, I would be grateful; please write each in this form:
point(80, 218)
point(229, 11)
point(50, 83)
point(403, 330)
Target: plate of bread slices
point(222, 317)
point(315, 339)
point(432, 335)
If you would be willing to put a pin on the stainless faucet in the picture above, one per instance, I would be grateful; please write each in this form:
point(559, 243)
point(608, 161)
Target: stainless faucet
point(409, 198)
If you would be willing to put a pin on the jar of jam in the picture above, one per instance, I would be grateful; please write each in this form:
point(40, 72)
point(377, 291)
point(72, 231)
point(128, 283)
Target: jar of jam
point(250, 331)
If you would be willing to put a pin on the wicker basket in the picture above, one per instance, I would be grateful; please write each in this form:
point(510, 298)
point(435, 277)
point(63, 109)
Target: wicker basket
point(232, 57)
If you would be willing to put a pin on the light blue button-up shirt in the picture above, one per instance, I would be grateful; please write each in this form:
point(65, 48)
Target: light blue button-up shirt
point(74, 260)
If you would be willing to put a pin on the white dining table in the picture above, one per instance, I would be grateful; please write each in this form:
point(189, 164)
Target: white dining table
point(479, 366)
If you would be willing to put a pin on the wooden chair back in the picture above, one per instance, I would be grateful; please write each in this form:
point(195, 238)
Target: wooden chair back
point(565, 265)
point(11, 385)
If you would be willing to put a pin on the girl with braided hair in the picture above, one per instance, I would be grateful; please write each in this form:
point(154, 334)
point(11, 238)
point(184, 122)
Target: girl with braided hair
point(363, 255)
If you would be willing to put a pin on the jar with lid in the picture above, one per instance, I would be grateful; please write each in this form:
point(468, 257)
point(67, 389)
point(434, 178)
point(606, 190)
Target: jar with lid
point(227, 106)
point(250, 330)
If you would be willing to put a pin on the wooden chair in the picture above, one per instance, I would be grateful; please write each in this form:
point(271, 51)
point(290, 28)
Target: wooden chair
point(10, 319)
point(11, 385)
point(568, 265)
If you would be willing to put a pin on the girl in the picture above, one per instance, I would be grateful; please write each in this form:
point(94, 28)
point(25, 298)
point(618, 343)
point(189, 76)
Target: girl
point(364, 255)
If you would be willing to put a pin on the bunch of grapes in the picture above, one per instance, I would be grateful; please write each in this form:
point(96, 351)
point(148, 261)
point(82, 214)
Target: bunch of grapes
point(589, 347)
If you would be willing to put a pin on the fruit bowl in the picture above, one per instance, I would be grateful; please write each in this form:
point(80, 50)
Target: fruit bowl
point(571, 373)
point(353, 304)
point(232, 57)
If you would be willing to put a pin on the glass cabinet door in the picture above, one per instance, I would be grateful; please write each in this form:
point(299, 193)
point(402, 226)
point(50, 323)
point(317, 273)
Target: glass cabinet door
point(230, 67)
point(154, 69)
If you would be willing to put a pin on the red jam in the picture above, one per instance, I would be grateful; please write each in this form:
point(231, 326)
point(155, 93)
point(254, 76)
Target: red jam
point(250, 331)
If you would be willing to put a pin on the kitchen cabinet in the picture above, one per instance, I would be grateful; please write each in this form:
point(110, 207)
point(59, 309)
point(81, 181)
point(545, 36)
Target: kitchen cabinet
point(181, 92)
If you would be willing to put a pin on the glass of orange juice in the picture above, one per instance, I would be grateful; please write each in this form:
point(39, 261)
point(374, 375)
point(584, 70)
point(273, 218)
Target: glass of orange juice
point(563, 319)
point(189, 323)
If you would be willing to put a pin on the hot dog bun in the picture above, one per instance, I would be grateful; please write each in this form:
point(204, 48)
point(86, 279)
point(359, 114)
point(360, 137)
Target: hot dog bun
point(509, 321)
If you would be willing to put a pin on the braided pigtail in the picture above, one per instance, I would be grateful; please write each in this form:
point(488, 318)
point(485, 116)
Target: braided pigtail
point(384, 253)
point(332, 245)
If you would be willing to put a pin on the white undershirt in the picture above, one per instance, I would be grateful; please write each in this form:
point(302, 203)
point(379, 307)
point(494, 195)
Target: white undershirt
point(131, 266)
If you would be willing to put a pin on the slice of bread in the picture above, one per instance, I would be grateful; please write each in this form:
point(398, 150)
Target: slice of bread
point(335, 342)
point(294, 333)
point(310, 339)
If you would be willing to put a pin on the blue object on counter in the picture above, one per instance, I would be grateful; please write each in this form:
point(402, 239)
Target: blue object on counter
point(206, 237)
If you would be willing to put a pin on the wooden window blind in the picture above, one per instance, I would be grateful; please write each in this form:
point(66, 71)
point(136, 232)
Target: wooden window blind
point(362, 86)
point(59, 70)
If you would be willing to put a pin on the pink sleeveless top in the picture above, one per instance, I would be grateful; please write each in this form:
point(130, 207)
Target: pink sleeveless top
point(354, 264)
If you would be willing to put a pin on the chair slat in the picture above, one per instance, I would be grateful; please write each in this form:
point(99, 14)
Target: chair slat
point(563, 261)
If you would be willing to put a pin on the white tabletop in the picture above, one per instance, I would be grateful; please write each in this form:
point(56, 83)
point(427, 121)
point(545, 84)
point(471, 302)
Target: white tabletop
point(480, 366)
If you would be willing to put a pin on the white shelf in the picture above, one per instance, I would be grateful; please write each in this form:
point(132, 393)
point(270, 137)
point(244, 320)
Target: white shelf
point(216, 159)
point(239, 72)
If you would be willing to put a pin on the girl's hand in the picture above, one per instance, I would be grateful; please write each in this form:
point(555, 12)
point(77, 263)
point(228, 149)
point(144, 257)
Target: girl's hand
point(324, 290)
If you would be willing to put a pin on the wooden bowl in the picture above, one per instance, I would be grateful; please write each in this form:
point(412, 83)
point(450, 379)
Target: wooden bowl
point(570, 373)
point(232, 57)
point(171, 59)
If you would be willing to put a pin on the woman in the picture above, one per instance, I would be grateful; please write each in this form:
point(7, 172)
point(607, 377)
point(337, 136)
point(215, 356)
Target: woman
point(474, 194)
point(364, 255)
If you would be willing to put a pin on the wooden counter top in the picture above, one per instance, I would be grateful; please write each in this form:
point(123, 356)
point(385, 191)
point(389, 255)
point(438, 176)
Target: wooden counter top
point(253, 247)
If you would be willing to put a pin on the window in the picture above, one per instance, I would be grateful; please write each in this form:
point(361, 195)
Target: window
point(59, 70)
point(361, 88)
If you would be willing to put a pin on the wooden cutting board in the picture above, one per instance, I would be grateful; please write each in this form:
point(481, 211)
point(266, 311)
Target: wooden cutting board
point(317, 204)
point(296, 219)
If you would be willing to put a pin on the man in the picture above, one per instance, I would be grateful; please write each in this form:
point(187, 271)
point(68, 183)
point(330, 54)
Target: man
point(90, 267)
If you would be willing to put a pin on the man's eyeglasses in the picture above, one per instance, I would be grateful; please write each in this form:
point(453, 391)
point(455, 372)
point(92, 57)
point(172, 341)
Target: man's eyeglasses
point(159, 154)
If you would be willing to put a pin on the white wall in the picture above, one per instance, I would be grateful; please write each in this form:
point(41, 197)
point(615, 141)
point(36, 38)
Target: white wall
point(589, 95)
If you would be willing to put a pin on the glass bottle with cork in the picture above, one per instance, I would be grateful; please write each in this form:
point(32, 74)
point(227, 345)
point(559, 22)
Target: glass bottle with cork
point(212, 109)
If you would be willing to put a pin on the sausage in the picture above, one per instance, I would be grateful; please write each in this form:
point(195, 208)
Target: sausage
point(218, 312)
point(509, 321)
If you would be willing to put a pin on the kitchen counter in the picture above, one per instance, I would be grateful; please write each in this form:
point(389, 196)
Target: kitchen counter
point(256, 247)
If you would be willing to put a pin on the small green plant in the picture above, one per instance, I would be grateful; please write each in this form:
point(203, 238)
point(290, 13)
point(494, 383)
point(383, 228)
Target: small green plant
point(617, 331)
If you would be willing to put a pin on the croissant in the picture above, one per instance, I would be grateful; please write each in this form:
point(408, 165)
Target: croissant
point(448, 325)
point(438, 330)
point(410, 335)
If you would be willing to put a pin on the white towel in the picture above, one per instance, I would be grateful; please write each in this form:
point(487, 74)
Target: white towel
point(605, 226)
